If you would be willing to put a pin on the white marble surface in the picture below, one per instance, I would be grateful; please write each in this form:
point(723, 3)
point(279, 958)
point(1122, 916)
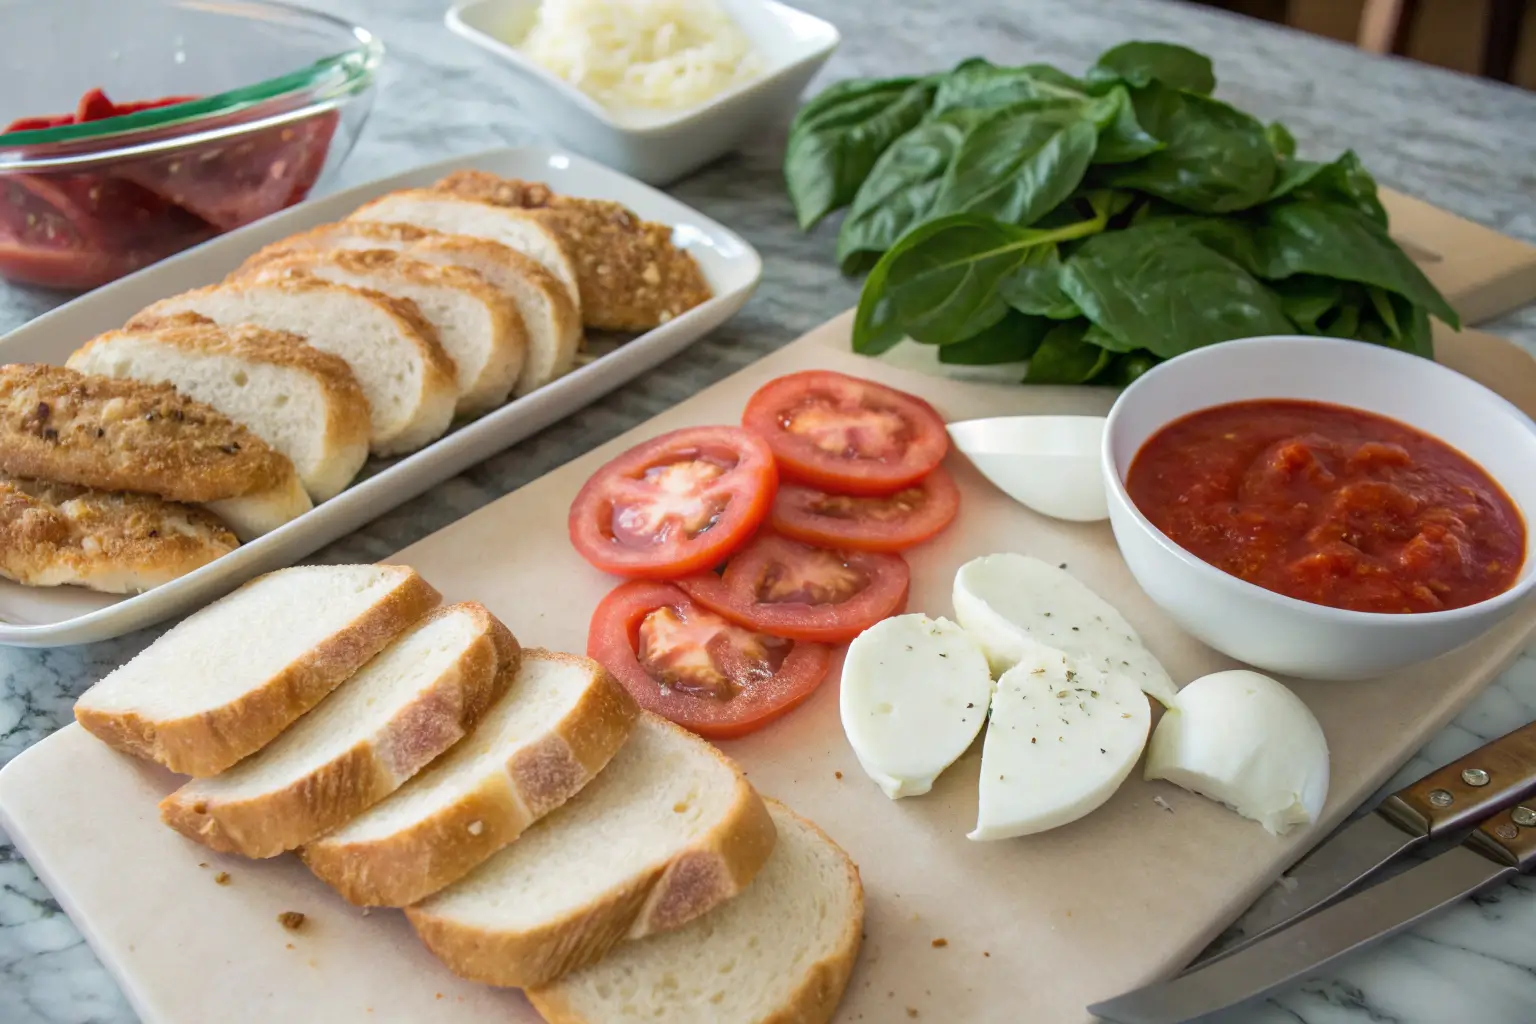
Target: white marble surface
point(1464, 144)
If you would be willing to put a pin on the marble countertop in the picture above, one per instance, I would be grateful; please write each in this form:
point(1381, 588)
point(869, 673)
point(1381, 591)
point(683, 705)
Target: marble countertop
point(1463, 144)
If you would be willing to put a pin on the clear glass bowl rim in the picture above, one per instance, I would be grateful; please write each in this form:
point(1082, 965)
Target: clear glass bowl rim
point(298, 94)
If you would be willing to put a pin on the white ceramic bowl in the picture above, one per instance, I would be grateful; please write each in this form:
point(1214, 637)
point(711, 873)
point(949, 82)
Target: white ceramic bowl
point(1282, 634)
point(1048, 463)
point(659, 147)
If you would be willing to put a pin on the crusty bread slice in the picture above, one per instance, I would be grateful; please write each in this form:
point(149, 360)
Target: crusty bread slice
point(631, 275)
point(412, 701)
point(549, 316)
point(125, 435)
point(480, 329)
point(780, 953)
point(669, 830)
point(554, 729)
point(227, 679)
point(303, 402)
point(58, 534)
point(408, 379)
point(457, 215)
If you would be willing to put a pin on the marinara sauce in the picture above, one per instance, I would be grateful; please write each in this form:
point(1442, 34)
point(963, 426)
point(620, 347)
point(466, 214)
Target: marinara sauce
point(1330, 505)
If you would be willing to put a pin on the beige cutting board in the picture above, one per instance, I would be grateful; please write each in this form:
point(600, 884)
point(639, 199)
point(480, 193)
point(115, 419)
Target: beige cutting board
point(1034, 929)
point(1481, 273)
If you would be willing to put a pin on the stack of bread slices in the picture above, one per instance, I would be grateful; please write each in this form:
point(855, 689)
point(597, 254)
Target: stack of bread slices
point(536, 827)
point(367, 336)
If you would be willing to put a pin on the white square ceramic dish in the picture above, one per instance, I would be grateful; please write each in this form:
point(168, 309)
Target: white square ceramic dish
point(38, 617)
point(662, 146)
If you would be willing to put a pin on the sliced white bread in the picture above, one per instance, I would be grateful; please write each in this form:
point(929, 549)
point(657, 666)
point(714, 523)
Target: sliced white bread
point(408, 379)
point(549, 316)
point(479, 328)
point(780, 953)
point(458, 215)
point(303, 402)
point(412, 701)
point(560, 721)
point(254, 515)
point(667, 832)
point(230, 677)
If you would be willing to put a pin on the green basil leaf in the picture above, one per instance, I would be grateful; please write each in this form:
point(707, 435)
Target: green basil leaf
point(1344, 181)
point(1065, 358)
point(979, 85)
point(1127, 367)
point(837, 138)
point(1281, 140)
point(1330, 240)
point(900, 191)
point(1122, 139)
point(1235, 238)
point(1307, 299)
point(1407, 326)
point(1156, 289)
point(1099, 336)
point(1216, 160)
point(1019, 163)
point(1034, 288)
point(1141, 63)
point(1345, 322)
point(1294, 174)
point(1013, 339)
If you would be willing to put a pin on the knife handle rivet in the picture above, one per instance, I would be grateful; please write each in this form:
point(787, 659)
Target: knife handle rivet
point(1506, 831)
point(1523, 816)
point(1441, 798)
point(1474, 777)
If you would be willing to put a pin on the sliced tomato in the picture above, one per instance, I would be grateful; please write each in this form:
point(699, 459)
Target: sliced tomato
point(847, 435)
point(783, 587)
point(685, 663)
point(676, 504)
point(893, 522)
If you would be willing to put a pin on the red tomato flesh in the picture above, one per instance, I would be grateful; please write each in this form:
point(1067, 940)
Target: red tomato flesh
point(676, 504)
point(785, 588)
point(1331, 505)
point(847, 435)
point(893, 522)
point(687, 664)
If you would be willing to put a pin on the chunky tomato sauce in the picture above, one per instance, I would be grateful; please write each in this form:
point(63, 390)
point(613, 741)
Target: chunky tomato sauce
point(1330, 505)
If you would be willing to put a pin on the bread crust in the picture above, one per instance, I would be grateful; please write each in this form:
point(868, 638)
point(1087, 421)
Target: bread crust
point(207, 743)
point(270, 823)
point(346, 407)
point(631, 276)
point(815, 997)
point(124, 435)
point(413, 863)
point(323, 239)
point(59, 534)
point(717, 866)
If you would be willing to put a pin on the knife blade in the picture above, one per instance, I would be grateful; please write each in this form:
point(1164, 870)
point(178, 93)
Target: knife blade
point(1448, 800)
point(1500, 848)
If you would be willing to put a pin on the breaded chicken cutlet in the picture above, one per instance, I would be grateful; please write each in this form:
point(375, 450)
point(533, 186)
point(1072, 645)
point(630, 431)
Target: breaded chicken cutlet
point(58, 534)
point(630, 274)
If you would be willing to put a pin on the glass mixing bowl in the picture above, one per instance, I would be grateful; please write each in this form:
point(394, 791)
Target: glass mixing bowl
point(258, 102)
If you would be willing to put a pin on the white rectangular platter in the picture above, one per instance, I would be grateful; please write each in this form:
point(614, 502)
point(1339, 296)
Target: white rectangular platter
point(34, 617)
point(1034, 929)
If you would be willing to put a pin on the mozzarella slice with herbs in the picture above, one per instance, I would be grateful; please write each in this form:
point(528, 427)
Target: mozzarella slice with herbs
point(914, 695)
point(1062, 739)
point(1011, 602)
point(1243, 739)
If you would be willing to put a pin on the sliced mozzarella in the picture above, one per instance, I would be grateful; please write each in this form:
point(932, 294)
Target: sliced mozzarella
point(914, 695)
point(1011, 603)
point(1243, 739)
point(1063, 736)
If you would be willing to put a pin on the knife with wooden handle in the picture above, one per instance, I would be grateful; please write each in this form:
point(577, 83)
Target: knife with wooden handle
point(1442, 803)
point(1500, 848)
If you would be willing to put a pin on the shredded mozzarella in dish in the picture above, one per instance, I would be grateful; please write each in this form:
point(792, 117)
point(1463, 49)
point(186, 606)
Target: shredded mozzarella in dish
point(665, 54)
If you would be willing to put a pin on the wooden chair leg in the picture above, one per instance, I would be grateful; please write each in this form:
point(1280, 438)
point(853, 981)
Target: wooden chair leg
point(1385, 25)
point(1501, 37)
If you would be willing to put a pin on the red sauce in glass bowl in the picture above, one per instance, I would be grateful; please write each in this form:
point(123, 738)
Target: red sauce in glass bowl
point(1330, 505)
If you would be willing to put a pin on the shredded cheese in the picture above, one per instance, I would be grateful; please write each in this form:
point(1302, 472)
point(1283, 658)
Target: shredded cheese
point(657, 54)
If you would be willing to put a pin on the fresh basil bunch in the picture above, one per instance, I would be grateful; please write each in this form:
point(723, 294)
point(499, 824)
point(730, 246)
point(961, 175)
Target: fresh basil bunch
point(1094, 225)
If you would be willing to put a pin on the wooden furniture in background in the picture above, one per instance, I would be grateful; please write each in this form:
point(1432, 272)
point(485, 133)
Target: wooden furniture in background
point(1386, 26)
